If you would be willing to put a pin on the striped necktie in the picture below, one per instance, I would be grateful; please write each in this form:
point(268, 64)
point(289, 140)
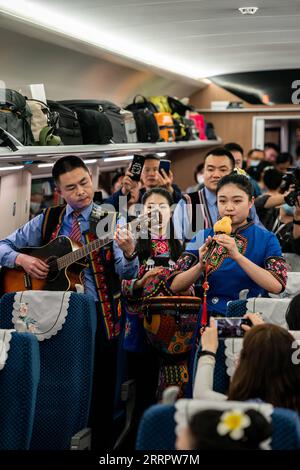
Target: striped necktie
point(75, 232)
point(75, 235)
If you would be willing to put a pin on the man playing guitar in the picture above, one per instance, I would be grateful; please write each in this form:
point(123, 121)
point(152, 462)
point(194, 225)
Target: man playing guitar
point(101, 279)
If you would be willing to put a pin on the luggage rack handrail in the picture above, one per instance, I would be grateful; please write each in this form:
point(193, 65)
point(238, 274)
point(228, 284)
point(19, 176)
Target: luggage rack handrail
point(52, 153)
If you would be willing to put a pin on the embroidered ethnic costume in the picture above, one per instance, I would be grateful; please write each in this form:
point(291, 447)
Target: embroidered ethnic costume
point(152, 326)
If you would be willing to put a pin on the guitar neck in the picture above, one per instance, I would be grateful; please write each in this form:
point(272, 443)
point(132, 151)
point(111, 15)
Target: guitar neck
point(77, 255)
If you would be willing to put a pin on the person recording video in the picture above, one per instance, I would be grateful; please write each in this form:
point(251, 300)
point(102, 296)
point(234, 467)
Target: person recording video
point(152, 176)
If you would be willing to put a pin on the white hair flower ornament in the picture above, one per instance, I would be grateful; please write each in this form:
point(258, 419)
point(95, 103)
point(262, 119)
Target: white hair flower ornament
point(233, 422)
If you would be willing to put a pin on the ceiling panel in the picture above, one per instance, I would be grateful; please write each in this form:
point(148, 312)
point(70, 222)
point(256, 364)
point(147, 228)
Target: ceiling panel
point(203, 37)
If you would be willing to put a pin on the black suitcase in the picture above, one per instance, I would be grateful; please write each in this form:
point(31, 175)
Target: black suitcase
point(106, 108)
point(66, 124)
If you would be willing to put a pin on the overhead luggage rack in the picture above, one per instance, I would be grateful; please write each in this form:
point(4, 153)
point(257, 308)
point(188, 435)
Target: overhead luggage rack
point(52, 153)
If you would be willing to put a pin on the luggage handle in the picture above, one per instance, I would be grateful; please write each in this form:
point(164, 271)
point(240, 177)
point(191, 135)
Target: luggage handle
point(165, 126)
point(144, 99)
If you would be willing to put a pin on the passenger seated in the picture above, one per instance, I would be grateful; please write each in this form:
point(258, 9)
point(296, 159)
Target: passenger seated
point(267, 370)
point(224, 430)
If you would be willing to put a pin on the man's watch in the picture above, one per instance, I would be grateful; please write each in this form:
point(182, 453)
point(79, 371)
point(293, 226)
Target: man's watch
point(132, 256)
point(296, 222)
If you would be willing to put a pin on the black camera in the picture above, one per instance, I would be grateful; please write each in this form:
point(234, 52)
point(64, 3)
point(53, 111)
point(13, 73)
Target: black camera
point(230, 327)
point(292, 177)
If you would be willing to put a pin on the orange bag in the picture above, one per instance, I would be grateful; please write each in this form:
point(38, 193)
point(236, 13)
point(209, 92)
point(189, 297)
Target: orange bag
point(166, 126)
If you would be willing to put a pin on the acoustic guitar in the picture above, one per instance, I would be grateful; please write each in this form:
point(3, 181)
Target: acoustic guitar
point(65, 259)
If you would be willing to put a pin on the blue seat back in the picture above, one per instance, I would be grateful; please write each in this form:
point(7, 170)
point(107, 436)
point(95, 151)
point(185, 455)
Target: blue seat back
point(286, 435)
point(18, 389)
point(64, 392)
point(157, 429)
point(236, 308)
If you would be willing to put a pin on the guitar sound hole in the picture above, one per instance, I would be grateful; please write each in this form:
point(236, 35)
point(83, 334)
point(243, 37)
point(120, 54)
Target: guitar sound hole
point(53, 268)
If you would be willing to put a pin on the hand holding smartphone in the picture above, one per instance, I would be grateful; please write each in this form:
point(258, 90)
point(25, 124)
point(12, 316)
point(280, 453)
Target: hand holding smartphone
point(165, 165)
point(137, 167)
point(230, 327)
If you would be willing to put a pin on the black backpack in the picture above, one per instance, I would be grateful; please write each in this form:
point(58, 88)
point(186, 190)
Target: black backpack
point(146, 124)
point(106, 118)
point(15, 116)
point(178, 107)
point(66, 124)
point(136, 105)
point(210, 131)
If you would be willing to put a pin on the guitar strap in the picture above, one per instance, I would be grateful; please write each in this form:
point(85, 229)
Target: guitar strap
point(52, 222)
point(102, 265)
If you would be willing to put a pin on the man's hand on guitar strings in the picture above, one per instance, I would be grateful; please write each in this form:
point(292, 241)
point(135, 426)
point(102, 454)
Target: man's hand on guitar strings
point(125, 241)
point(35, 267)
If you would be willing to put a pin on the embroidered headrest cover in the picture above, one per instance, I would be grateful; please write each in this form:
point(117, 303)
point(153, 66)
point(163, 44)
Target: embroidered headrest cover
point(185, 408)
point(272, 310)
point(42, 313)
point(5, 337)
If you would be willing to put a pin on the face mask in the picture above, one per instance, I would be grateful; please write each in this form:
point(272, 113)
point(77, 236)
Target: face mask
point(200, 179)
point(254, 162)
point(35, 207)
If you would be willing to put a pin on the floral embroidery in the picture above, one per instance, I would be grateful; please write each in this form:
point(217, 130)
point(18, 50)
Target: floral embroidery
point(219, 253)
point(278, 267)
point(159, 247)
point(23, 309)
point(127, 287)
point(24, 322)
point(233, 423)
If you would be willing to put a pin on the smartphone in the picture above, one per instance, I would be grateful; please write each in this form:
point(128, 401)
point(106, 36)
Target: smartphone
point(137, 167)
point(165, 165)
point(230, 327)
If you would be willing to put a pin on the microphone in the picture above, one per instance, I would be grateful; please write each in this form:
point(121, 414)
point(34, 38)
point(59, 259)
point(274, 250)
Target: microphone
point(221, 226)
